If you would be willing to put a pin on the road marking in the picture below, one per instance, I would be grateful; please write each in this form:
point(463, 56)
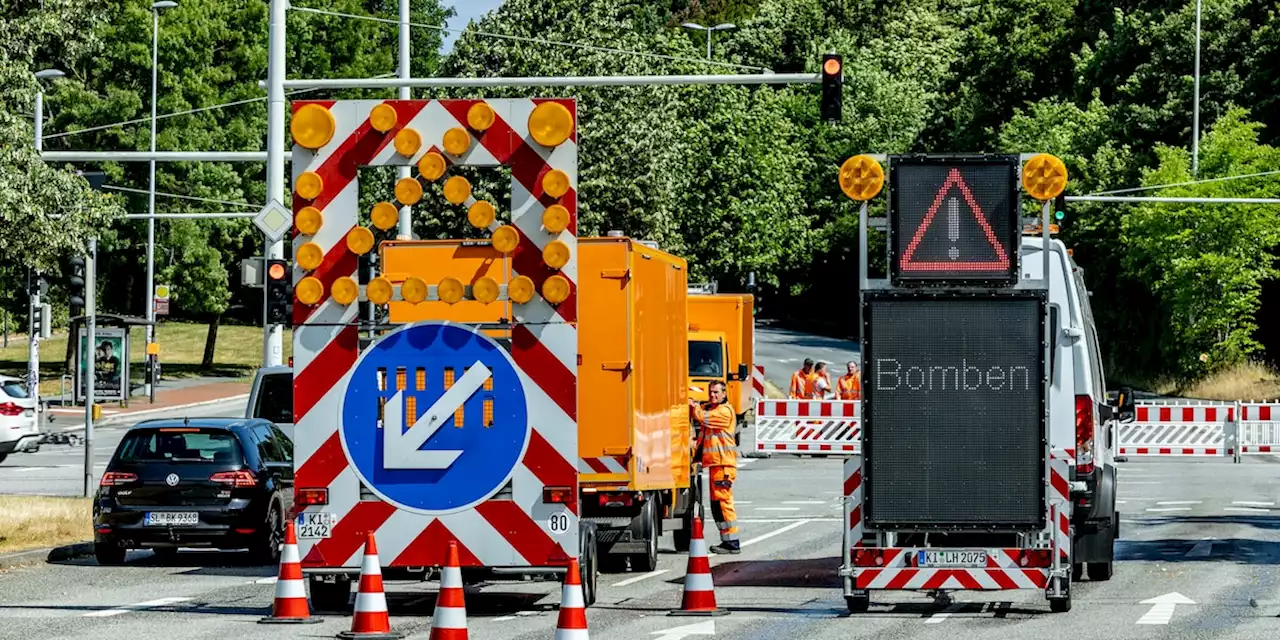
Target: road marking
point(1252, 503)
point(803, 502)
point(746, 461)
point(1162, 608)
point(1168, 502)
point(503, 619)
point(1246, 509)
point(775, 532)
point(707, 628)
point(1166, 509)
point(1121, 502)
point(1128, 482)
point(777, 508)
point(150, 604)
point(782, 519)
point(942, 616)
point(1202, 549)
point(643, 576)
point(742, 502)
point(271, 580)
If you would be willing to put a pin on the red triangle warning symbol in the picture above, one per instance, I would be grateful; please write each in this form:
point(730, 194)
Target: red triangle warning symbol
point(999, 263)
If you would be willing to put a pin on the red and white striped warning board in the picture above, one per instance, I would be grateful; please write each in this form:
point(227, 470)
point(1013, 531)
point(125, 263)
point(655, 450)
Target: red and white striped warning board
point(757, 383)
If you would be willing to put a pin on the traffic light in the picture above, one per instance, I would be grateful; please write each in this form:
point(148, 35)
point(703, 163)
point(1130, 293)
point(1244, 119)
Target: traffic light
point(832, 87)
point(279, 292)
point(1060, 207)
point(75, 284)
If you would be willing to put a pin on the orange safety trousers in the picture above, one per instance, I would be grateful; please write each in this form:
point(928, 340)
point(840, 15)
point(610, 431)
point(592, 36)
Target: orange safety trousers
point(722, 508)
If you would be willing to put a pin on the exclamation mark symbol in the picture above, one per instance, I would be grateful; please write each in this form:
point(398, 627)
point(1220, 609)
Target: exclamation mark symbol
point(953, 226)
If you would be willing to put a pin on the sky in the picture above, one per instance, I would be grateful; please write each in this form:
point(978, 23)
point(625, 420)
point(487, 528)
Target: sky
point(467, 10)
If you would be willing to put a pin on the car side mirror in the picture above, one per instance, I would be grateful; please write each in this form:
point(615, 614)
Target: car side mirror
point(1125, 405)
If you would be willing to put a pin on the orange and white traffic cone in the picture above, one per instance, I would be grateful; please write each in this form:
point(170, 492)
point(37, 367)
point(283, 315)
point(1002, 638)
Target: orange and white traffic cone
point(371, 619)
point(449, 622)
point(572, 624)
point(290, 605)
point(699, 591)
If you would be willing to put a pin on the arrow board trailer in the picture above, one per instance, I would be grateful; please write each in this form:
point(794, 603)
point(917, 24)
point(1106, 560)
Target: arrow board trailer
point(962, 482)
point(446, 427)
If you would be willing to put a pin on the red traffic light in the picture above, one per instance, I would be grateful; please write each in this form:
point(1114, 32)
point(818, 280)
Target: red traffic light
point(276, 271)
point(831, 67)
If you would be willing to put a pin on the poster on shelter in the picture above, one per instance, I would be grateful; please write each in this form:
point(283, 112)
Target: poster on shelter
point(110, 364)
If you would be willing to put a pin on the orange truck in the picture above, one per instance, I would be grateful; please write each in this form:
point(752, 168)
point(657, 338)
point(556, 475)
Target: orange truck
point(636, 472)
point(721, 339)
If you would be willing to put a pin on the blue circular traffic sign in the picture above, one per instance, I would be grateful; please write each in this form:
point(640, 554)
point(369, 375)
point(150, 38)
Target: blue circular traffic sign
point(434, 418)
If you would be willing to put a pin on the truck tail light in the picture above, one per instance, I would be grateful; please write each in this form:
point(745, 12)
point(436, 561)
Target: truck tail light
point(116, 478)
point(616, 499)
point(1084, 434)
point(310, 497)
point(241, 478)
point(557, 495)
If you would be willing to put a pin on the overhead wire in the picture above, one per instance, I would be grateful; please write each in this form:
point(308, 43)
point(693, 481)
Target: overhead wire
point(180, 196)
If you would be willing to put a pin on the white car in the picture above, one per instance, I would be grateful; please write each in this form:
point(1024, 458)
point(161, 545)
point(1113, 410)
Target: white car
point(19, 430)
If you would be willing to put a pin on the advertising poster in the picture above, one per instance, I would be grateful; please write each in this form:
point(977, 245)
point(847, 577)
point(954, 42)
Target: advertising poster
point(110, 361)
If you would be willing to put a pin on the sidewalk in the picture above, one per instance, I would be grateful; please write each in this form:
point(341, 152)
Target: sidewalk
point(189, 393)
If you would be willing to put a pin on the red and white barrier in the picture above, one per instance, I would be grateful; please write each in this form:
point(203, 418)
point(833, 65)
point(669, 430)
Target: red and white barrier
point(1201, 429)
point(757, 383)
point(808, 426)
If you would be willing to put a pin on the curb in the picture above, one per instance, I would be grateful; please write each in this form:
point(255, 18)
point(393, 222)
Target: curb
point(131, 415)
point(39, 556)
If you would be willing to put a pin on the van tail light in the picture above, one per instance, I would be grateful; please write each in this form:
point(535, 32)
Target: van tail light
point(1084, 434)
point(242, 478)
point(311, 497)
point(558, 495)
point(10, 409)
point(116, 478)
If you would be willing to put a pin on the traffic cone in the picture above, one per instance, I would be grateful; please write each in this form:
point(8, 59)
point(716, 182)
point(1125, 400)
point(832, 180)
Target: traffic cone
point(290, 604)
point(449, 622)
point(572, 624)
point(699, 591)
point(371, 619)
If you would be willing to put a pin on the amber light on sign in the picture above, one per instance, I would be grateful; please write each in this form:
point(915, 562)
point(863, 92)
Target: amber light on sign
point(861, 177)
point(1044, 177)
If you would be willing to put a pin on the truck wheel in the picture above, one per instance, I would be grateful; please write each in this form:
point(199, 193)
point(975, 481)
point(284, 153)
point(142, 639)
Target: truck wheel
point(1077, 571)
point(330, 596)
point(684, 535)
point(589, 566)
point(648, 561)
point(1100, 571)
point(858, 604)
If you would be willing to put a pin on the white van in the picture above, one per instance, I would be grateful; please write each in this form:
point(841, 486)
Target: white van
point(1079, 403)
point(271, 397)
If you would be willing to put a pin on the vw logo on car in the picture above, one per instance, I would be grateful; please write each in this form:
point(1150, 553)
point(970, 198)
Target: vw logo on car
point(171, 480)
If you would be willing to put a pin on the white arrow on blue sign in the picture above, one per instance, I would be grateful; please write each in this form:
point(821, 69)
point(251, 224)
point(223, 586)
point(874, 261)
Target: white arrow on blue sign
point(434, 465)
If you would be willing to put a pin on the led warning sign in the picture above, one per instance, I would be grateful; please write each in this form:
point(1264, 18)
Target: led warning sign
point(954, 220)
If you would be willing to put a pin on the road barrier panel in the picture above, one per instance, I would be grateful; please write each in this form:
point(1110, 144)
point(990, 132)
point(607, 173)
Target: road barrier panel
point(809, 426)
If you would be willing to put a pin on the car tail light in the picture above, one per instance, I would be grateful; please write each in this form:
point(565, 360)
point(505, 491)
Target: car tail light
point(311, 497)
point(615, 499)
point(1084, 434)
point(241, 478)
point(116, 478)
point(10, 409)
point(557, 495)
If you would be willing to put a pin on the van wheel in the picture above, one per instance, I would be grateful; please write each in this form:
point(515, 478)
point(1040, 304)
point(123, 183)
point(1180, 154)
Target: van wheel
point(1077, 571)
point(1100, 571)
point(109, 553)
point(330, 596)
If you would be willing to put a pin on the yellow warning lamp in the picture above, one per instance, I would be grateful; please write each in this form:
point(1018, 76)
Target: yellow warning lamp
point(309, 290)
point(308, 185)
point(861, 177)
point(431, 166)
point(555, 218)
point(384, 215)
point(360, 240)
point(555, 183)
point(310, 255)
point(481, 214)
point(1044, 177)
point(450, 290)
point(312, 126)
point(520, 289)
point(382, 117)
point(345, 291)
point(550, 124)
point(457, 190)
point(505, 239)
point(408, 191)
point(309, 220)
point(556, 254)
point(485, 289)
point(408, 142)
point(457, 141)
point(379, 290)
point(556, 289)
point(413, 289)
point(481, 116)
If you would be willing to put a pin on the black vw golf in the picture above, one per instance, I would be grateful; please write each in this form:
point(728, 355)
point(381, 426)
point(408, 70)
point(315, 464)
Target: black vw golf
point(223, 483)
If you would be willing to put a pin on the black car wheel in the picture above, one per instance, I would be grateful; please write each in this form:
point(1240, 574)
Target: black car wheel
point(267, 547)
point(109, 553)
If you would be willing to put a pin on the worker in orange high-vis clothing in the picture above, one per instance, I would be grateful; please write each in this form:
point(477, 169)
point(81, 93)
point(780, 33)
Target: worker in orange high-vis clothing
point(802, 381)
point(849, 386)
point(720, 456)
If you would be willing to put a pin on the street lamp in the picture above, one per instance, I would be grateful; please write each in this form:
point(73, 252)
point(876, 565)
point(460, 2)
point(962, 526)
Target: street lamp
point(1195, 118)
point(719, 27)
point(151, 195)
point(33, 334)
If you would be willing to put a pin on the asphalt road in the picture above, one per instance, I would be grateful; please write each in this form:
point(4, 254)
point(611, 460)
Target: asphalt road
point(59, 469)
point(781, 352)
point(1202, 531)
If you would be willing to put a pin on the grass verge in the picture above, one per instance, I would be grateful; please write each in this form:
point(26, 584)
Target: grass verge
point(1246, 381)
point(36, 522)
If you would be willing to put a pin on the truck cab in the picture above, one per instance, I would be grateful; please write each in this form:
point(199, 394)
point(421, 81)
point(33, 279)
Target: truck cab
point(721, 346)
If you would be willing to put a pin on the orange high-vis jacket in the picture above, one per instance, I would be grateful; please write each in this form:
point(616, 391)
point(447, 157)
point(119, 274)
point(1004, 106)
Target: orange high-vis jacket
point(849, 387)
point(719, 448)
point(801, 385)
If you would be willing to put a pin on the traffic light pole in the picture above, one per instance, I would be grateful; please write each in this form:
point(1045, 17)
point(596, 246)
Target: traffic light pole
point(273, 334)
point(91, 312)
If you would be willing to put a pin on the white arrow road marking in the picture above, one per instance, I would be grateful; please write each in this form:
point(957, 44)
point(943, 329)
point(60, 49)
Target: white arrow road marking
point(1253, 503)
point(150, 604)
point(1202, 549)
point(1171, 502)
point(1162, 607)
point(643, 576)
point(707, 628)
point(400, 448)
